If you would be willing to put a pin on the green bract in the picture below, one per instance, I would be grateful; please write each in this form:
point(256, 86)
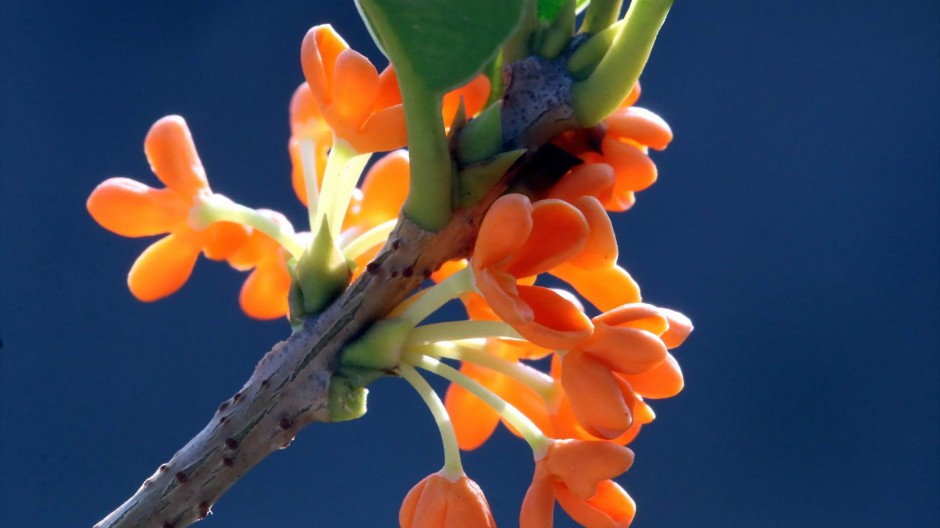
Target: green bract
point(441, 43)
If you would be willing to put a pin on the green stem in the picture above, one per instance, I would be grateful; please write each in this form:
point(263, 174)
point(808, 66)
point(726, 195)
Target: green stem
point(529, 431)
point(535, 379)
point(452, 466)
point(600, 94)
point(311, 182)
point(430, 196)
point(458, 330)
point(366, 241)
point(343, 168)
point(438, 295)
point(212, 208)
point(601, 14)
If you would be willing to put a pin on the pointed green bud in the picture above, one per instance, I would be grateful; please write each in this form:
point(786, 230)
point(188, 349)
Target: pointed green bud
point(322, 273)
point(477, 179)
point(379, 347)
point(347, 402)
point(597, 96)
point(584, 59)
point(551, 42)
point(600, 15)
point(482, 137)
point(517, 47)
point(553, 39)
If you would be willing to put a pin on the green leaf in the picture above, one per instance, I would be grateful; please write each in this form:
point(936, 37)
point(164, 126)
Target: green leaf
point(549, 9)
point(444, 43)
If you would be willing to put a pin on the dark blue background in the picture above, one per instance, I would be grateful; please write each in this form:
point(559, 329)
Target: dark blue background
point(796, 222)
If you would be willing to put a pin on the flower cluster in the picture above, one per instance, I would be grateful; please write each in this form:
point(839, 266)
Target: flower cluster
point(578, 417)
point(344, 112)
point(608, 350)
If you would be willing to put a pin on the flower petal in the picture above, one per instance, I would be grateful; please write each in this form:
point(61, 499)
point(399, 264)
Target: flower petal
point(641, 126)
point(633, 168)
point(632, 97)
point(406, 514)
point(663, 381)
point(132, 209)
point(556, 322)
point(587, 179)
point(222, 239)
point(431, 509)
point(318, 52)
point(595, 396)
point(474, 421)
point(582, 465)
point(680, 327)
point(355, 88)
point(264, 294)
point(384, 190)
point(636, 315)
point(172, 155)
point(611, 507)
point(467, 506)
point(626, 350)
point(559, 232)
point(600, 249)
point(436, 502)
point(383, 131)
point(389, 94)
point(164, 267)
point(504, 230)
point(605, 289)
point(539, 503)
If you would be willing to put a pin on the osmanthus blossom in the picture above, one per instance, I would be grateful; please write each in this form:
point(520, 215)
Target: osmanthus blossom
point(133, 209)
point(578, 416)
point(361, 106)
point(346, 99)
point(439, 501)
point(628, 134)
point(628, 345)
point(577, 474)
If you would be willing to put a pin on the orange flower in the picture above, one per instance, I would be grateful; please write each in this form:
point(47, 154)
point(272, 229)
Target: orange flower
point(628, 347)
point(629, 134)
point(577, 474)
point(439, 502)
point(565, 424)
point(518, 240)
point(264, 293)
point(132, 209)
point(360, 105)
